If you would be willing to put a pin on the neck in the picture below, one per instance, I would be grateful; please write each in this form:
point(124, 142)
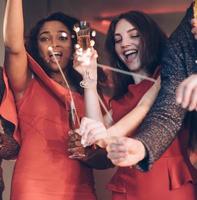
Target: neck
point(57, 77)
point(138, 79)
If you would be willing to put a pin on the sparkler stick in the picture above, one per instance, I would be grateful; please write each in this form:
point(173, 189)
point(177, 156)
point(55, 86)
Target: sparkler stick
point(72, 104)
point(126, 72)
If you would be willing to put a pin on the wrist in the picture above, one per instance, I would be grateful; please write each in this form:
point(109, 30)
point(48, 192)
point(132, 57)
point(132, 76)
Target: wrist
point(142, 150)
point(88, 83)
point(102, 143)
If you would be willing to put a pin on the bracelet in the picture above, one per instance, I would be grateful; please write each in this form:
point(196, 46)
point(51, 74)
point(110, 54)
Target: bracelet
point(88, 81)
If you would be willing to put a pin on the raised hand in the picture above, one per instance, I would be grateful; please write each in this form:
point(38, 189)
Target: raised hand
point(85, 62)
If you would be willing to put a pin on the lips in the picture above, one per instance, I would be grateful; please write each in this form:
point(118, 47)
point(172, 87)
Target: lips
point(130, 54)
point(57, 55)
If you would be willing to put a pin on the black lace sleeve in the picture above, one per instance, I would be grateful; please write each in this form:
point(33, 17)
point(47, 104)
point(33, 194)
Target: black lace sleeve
point(165, 118)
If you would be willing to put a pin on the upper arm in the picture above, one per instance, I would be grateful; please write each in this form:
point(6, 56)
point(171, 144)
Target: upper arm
point(19, 75)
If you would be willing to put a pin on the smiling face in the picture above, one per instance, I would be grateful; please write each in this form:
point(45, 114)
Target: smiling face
point(56, 35)
point(128, 44)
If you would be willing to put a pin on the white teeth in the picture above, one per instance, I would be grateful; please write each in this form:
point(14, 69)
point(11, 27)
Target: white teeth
point(126, 53)
point(55, 53)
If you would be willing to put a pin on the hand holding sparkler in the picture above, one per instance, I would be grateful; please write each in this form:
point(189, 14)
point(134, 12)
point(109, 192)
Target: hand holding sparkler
point(85, 58)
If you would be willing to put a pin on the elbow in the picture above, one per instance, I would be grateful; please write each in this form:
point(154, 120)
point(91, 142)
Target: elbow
point(13, 49)
point(13, 46)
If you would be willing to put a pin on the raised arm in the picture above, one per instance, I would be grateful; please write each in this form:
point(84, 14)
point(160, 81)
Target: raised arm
point(88, 70)
point(15, 53)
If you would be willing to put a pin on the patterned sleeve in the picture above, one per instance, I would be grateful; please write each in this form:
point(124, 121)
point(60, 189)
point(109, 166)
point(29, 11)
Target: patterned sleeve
point(165, 118)
point(9, 148)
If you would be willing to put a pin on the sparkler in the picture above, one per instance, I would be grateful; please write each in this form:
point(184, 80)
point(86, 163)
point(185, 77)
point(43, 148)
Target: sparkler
point(72, 103)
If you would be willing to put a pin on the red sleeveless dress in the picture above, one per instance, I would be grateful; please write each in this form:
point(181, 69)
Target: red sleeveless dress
point(43, 170)
point(172, 177)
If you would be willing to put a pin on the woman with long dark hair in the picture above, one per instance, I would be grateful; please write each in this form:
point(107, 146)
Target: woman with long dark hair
point(43, 170)
point(135, 44)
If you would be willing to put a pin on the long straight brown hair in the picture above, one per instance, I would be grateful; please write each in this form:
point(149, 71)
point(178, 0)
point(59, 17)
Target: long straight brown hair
point(153, 40)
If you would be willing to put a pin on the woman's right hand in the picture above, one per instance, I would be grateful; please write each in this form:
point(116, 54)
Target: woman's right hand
point(92, 132)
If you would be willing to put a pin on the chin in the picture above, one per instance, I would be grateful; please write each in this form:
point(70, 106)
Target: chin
point(54, 66)
point(134, 69)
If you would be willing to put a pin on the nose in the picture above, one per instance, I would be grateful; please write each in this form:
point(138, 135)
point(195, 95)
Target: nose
point(54, 42)
point(125, 42)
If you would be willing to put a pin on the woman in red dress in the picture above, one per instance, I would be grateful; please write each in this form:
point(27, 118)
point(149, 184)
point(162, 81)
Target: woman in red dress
point(135, 43)
point(43, 170)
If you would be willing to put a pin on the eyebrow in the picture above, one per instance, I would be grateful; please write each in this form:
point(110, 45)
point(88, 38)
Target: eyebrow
point(47, 32)
point(44, 32)
point(130, 30)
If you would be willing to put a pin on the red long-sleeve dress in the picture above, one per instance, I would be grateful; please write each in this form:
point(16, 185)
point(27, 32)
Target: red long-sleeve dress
point(172, 177)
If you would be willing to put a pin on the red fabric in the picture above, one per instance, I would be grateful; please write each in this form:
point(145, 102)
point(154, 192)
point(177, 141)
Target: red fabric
point(172, 177)
point(43, 170)
point(7, 108)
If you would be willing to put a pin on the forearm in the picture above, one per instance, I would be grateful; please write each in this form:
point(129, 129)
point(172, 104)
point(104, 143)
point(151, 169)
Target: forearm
point(92, 104)
point(13, 28)
point(157, 139)
point(130, 122)
point(161, 125)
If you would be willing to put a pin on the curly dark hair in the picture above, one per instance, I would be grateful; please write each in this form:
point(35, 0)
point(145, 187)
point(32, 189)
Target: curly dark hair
point(32, 45)
point(153, 40)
